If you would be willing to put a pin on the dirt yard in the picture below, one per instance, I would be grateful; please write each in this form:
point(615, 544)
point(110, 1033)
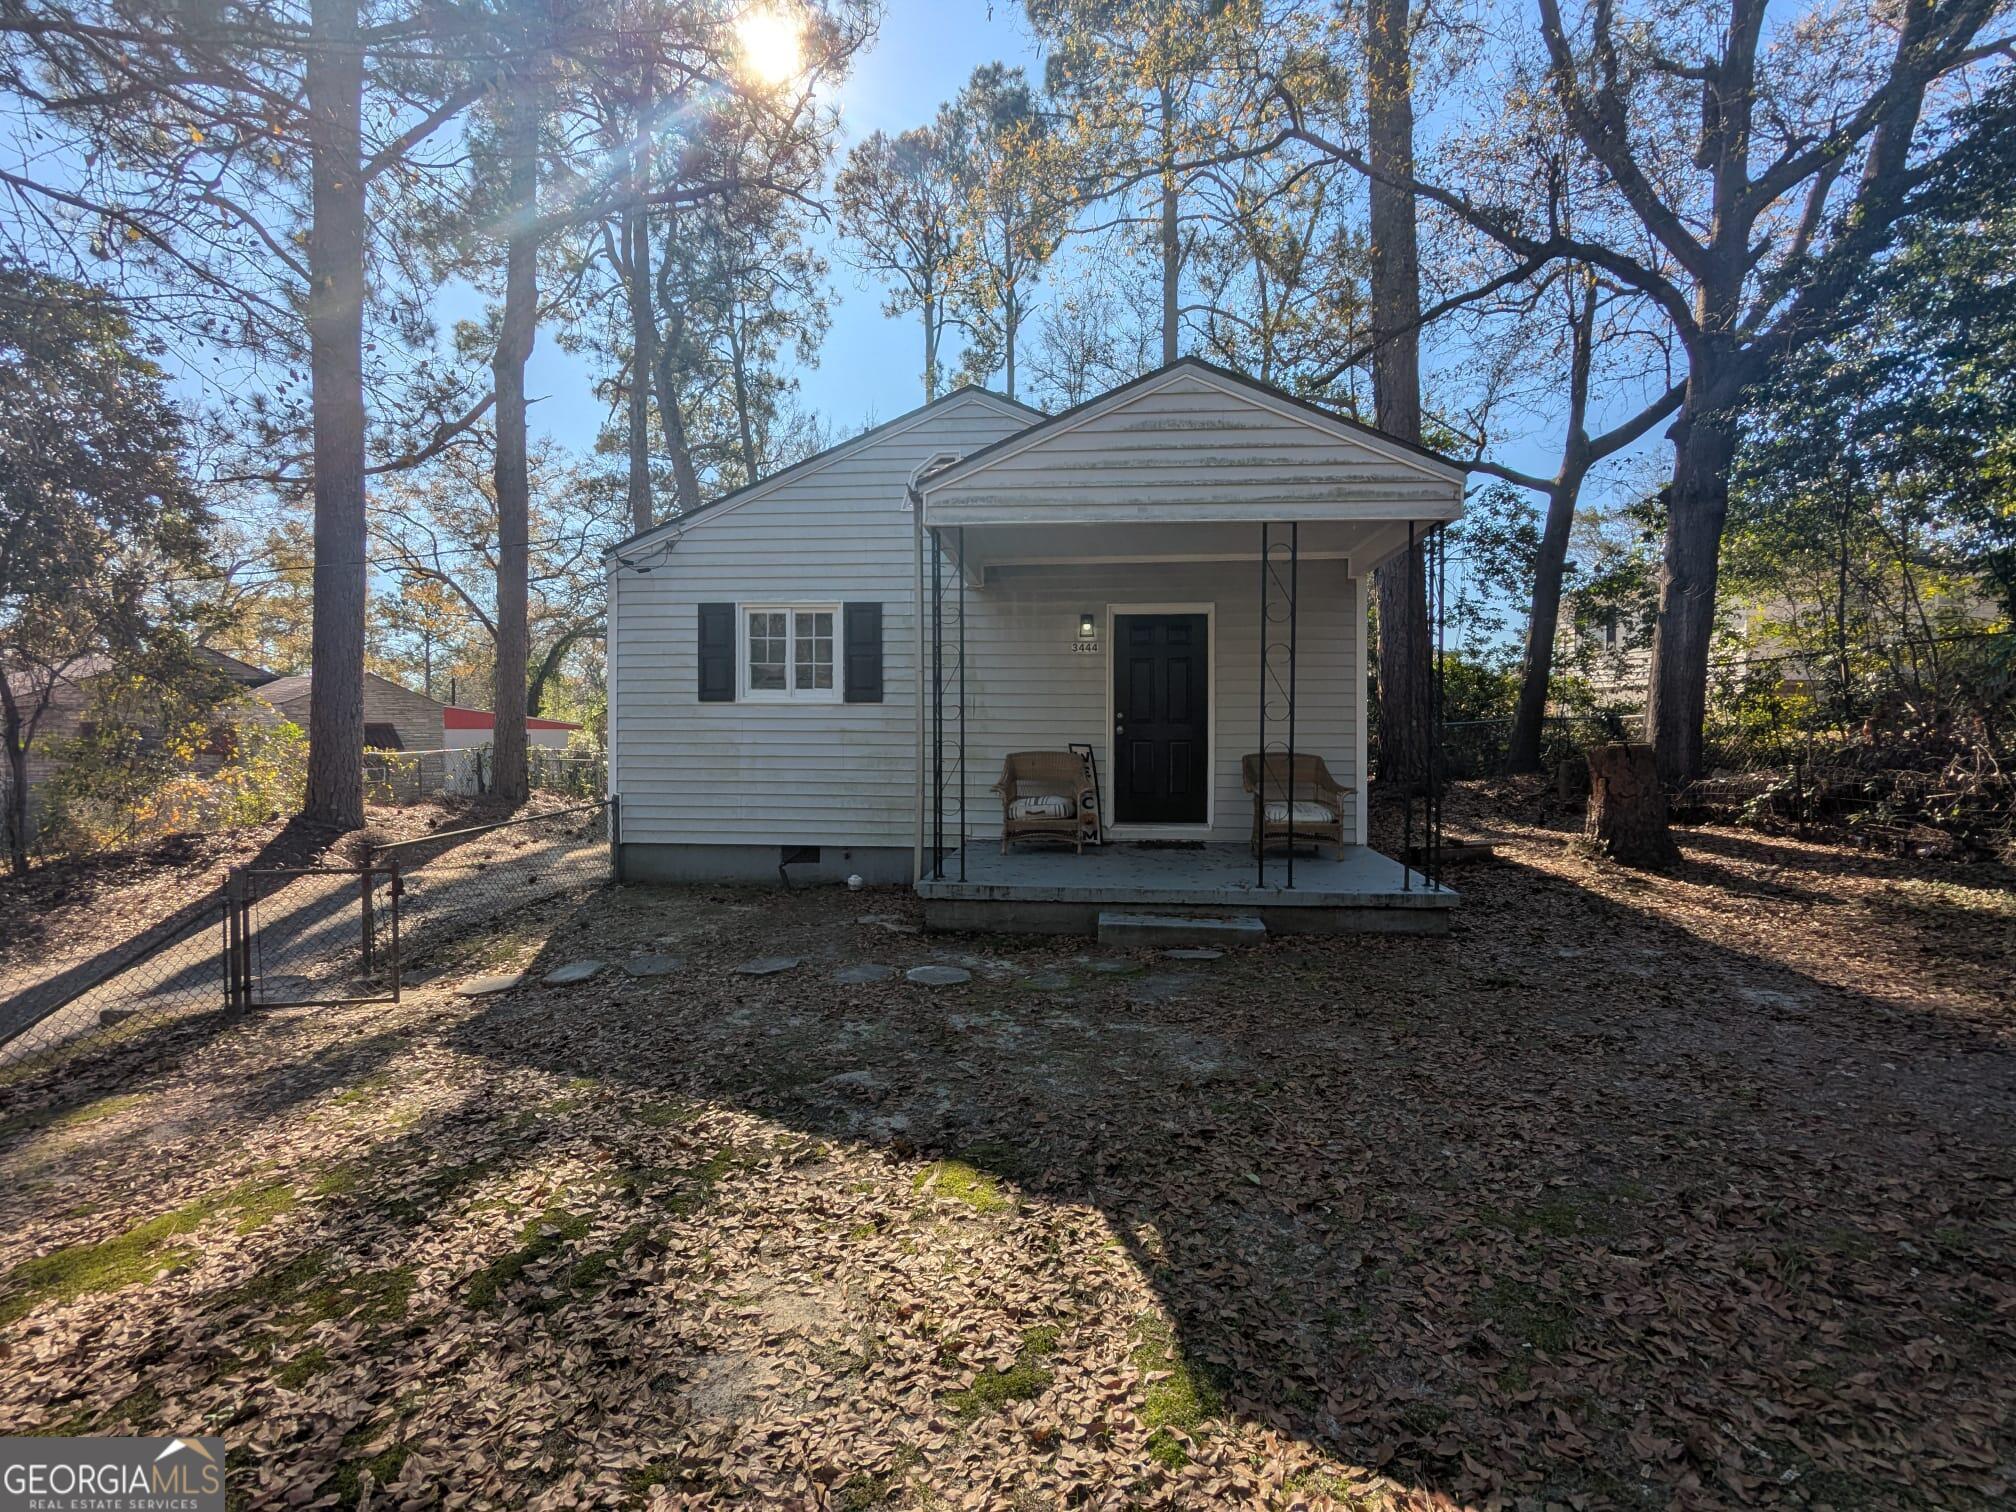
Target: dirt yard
point(1633, 1192)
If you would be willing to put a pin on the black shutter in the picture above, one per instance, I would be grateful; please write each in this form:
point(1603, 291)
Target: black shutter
point(862, 635)
point(717, 653)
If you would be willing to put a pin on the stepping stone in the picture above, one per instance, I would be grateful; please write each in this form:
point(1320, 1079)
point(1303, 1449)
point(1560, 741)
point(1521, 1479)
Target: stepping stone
point(766, 965)
point(860, 976)
point(572, 972)
point(1047, 981)
point(652, 965)
point(938, 976)
point(1116, 968)
point(484, 986)
point(1193, 953)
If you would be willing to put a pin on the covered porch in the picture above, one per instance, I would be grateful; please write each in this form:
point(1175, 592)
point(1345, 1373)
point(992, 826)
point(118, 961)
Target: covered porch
point(1171, 583)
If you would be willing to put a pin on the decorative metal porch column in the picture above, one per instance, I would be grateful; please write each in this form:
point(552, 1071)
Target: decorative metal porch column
point(1280, 569)
point(1432, 579)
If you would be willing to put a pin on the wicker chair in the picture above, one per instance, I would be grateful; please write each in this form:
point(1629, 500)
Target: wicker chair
point(1315, 803)
point(1047, 795)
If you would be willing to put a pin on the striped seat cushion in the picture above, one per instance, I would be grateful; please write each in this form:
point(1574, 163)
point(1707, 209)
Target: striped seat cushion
point(1042, 806)
point(1305, 813)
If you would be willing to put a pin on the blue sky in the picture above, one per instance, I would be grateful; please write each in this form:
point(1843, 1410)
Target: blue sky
point(869, 370)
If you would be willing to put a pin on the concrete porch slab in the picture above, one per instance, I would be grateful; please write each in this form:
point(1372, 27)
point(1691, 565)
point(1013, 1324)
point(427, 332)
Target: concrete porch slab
point(1050, 891)
point(1178, 929)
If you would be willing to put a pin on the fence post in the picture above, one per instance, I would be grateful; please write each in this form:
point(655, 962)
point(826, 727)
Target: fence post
point(366, 921)
point(615, 838)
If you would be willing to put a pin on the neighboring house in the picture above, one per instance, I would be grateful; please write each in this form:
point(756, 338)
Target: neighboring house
point(67, 716)
point(1091, 578)
point(1611, 649)
point(462, 728)
point(395, 718)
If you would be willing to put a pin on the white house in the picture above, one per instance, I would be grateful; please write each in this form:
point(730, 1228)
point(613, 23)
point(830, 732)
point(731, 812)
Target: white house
point(1124, 577)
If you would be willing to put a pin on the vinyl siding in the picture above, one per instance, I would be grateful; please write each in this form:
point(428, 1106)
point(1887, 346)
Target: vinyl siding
point(838, 775)
point(1190, 444)
point(1031, 691)
point(753, 773)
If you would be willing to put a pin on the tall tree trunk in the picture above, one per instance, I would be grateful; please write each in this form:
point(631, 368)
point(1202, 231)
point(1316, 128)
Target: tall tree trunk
point(671, 416)
point(519, 106)
point(1697, 505)
point(643, 365)
point(740, 372)
point(1172, 249)
point(1010, 319)
point(929, 304)
point(1404, 670)
point(1543, 622)
point(335, 90)
point(1544, 619)
point(11, 735)
point(643, 323)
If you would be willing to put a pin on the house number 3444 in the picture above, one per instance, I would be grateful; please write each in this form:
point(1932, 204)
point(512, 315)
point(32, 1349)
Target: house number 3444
point(1082, 647)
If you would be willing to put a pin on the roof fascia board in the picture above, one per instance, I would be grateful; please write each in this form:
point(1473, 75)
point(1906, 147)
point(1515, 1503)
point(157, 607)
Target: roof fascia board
point(818, 461)
point(1232, 386)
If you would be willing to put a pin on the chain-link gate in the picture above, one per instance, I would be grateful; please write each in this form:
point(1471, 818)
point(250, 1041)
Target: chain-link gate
point(311, 936)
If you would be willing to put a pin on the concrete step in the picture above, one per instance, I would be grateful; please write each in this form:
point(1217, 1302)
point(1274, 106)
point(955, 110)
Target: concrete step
point(1173, 929)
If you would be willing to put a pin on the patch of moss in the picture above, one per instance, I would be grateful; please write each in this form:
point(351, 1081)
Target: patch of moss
point(338, 1181)
point(299, 1295)
point(1527, 1316)
point(664, 1115)
point(861, 1490)
point(592, 1270)
point(303, 1368)
point(70, 1118)
point(1021, 1381)
point(347, 1484)
point(960, 1182)
point(1181, 1401)
point(698, 1182)
point(361, 1092)
point(258, 1203)
point(540, 1239)
point(143, 1253)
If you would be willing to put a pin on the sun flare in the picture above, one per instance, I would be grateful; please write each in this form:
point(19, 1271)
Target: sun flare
point(770, 44)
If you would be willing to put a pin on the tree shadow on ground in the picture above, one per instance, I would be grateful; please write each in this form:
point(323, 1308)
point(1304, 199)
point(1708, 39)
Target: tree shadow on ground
point(1576, 1204)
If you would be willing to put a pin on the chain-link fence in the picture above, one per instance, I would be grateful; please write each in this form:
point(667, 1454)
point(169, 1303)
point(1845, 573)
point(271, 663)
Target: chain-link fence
point(459, 877)
point(170, 976)
point(281, 937)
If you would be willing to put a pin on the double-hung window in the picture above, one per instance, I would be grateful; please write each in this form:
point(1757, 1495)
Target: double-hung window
point(787, 652)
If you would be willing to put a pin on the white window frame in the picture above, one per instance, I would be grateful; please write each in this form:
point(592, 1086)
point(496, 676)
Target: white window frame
point(790, 611)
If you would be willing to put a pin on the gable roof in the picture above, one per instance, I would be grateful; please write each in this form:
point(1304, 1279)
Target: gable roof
point(1408, 452)
point(239, 671)
point(811, 464)
point(284, 690)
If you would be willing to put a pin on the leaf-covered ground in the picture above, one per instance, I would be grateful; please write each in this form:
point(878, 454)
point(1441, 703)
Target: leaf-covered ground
point(1634, 1191)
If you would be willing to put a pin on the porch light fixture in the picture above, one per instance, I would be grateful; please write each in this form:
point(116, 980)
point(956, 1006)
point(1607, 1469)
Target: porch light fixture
point(1088, 625)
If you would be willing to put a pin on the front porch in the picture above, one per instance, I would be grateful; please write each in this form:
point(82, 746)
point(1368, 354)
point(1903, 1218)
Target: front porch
point(1049, 891)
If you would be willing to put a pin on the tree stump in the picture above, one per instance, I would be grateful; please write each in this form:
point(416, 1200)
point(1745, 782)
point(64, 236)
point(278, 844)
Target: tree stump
point(1627, 807)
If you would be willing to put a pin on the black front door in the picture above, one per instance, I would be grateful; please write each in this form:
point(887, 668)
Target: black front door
point(1161, 718)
